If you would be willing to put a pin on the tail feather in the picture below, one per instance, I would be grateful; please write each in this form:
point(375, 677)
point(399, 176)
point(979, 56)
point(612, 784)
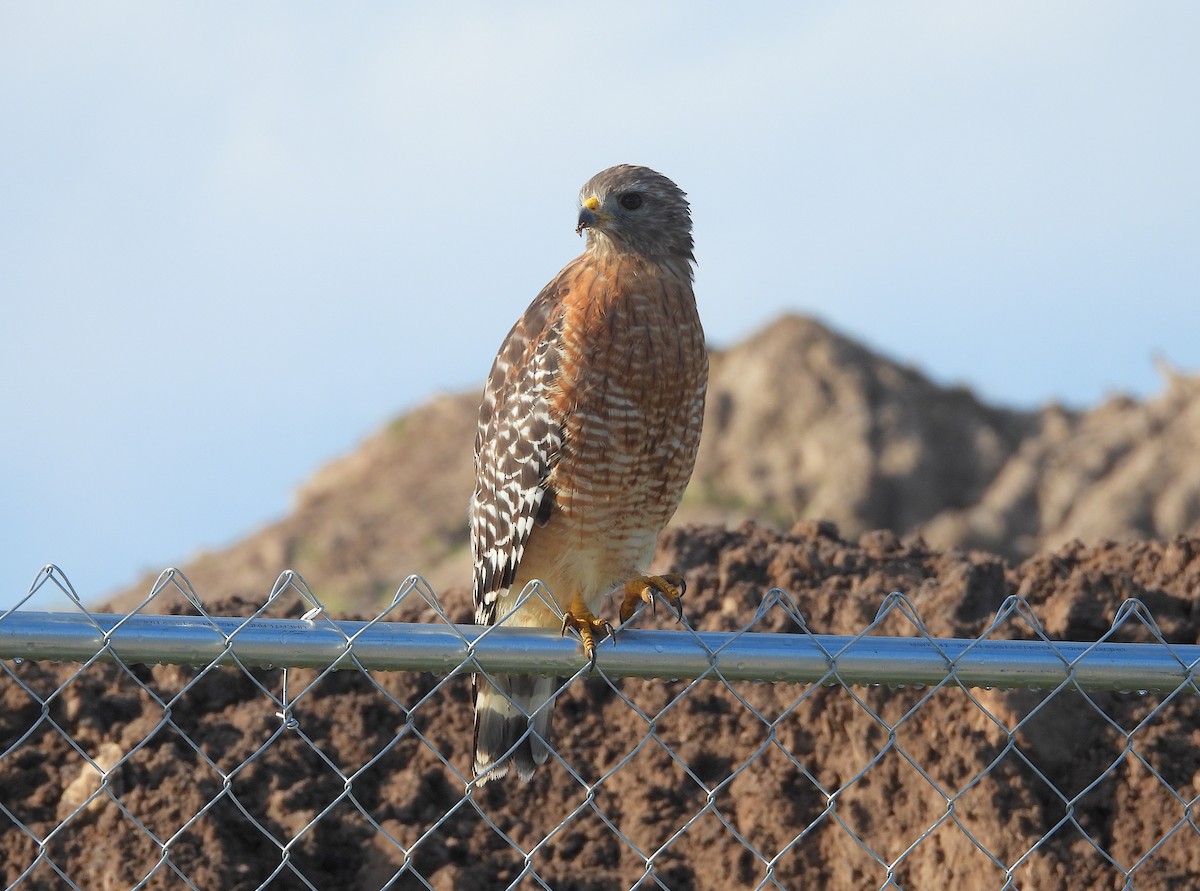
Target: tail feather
point(509, 732)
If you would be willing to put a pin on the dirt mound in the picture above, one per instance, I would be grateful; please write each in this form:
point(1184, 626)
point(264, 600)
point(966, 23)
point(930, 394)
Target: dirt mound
point(801, 423)
point(715, 784)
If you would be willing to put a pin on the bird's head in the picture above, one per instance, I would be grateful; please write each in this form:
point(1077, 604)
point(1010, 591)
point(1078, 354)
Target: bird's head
point(630, 208)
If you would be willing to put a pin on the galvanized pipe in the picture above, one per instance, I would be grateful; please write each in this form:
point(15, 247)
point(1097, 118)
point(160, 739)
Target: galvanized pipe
point(446, 649)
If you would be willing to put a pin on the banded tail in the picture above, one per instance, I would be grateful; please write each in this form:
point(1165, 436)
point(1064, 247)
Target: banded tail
point(505, 733)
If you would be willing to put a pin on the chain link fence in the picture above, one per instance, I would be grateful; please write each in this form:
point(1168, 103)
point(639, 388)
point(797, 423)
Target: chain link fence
point(285, 749)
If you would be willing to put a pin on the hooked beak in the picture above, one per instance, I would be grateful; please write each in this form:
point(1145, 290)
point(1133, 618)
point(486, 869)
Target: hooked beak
point(589, 215)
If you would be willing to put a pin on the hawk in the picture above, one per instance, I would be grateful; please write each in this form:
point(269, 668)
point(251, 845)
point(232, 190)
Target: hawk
point(588, 430)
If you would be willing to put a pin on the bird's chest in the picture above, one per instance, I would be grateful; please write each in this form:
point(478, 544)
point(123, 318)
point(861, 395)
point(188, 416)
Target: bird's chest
point(633, 382)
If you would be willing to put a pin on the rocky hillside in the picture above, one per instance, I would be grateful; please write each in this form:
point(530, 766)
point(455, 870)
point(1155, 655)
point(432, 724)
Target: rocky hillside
point(801, 423)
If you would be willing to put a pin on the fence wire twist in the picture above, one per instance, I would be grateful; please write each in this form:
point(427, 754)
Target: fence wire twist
point(143, 750)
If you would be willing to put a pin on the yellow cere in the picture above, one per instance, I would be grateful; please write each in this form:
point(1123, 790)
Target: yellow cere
point(592, 203)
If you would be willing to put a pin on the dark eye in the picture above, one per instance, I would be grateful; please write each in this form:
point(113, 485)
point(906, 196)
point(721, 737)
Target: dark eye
point(631, 200)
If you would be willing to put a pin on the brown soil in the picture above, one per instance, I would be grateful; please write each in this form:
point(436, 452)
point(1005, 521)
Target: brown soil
point(399, 743)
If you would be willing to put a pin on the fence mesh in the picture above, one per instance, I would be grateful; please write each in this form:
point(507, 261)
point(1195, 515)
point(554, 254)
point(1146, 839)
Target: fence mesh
point(235, 772)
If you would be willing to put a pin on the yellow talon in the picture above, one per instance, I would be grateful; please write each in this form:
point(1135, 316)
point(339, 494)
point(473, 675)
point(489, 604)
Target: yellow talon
point(672, 587)
point(580, 619)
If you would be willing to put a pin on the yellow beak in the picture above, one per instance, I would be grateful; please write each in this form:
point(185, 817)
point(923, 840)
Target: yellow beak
point(589, 215)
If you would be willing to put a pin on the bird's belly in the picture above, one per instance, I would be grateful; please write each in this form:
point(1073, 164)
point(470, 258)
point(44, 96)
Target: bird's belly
point(615, 495)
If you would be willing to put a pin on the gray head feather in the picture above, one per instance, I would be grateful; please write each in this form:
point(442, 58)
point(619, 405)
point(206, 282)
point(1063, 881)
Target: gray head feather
point(630, 208)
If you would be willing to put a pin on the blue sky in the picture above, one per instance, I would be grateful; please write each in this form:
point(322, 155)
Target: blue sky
point(234, 241)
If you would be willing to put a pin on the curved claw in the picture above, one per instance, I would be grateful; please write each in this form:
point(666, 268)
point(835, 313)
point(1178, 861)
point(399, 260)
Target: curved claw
point(643, 588)
point(612, 635)
point(682, 587)
point(588, 627)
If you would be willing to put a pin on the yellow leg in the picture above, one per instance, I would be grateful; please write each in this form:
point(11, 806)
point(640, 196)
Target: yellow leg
point(642, 588)
point(587, 626)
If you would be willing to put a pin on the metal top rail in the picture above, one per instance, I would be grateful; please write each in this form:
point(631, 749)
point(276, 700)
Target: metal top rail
point(800, 657)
